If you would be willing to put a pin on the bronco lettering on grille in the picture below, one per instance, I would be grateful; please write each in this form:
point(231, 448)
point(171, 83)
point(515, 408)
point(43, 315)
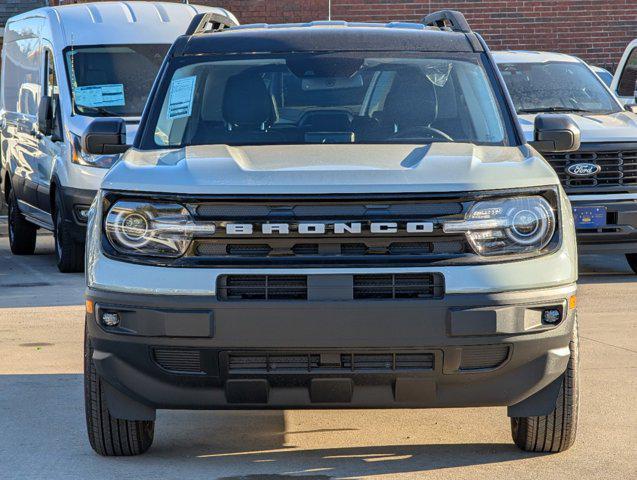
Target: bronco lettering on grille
point(317, 228)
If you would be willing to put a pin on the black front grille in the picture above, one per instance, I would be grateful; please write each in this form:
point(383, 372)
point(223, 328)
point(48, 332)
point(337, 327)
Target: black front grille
point(403, 286)
point(242, 363)
point(618, 168)
point(262, 287)
point(178, 360)
point(479, 357)
point(364, 287)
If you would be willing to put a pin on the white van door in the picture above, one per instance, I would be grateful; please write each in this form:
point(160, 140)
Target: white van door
point(50, 146)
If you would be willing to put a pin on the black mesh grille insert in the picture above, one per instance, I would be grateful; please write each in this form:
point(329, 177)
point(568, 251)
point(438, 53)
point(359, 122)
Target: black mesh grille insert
point(364, 287)
point(178, 360)
point(400, 286)
point(313, 362)
point(262, 287)
point(483, 356)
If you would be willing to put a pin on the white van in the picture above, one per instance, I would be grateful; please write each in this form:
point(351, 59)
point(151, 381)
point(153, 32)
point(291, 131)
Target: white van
point(61, 67)
point(625, 80)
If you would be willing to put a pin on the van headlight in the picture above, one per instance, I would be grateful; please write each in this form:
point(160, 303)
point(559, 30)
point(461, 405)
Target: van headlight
point(518, 225)
point(152, 228)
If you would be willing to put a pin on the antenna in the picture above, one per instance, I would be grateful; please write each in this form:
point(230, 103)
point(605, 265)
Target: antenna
point(329, 10)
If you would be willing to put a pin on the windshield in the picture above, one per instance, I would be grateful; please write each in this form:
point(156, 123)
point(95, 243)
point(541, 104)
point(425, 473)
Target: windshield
point(556, 87)
point(327, 98)
point(112, 80)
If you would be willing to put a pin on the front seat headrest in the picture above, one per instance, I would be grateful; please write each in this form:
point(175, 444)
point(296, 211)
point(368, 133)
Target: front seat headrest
point(412, 100)
point(247, 102)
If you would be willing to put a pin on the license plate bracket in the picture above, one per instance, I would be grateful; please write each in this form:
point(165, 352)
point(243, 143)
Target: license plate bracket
point(589, 217)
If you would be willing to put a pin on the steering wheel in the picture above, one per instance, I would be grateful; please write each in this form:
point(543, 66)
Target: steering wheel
point(423, 131)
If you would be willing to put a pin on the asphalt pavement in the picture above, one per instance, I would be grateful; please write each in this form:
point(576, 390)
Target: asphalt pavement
point(42, 415)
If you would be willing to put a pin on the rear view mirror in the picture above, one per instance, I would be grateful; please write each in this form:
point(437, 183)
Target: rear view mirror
point(555, 134)
point(631, 107)
point(45, 116)
point(105, 136)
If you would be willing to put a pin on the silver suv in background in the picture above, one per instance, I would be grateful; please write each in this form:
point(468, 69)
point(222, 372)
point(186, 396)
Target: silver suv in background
point(601, 176)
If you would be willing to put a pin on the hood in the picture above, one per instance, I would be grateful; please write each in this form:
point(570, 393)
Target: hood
point(316, 169)
point(614, 127)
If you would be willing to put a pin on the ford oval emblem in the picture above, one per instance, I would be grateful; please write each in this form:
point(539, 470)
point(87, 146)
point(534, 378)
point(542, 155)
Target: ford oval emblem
point(583, 169)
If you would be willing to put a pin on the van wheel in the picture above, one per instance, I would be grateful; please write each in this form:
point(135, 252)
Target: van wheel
point(556, 431)
point(22, 233)
point(68, 252)
point(110, 436)
point(632, 261)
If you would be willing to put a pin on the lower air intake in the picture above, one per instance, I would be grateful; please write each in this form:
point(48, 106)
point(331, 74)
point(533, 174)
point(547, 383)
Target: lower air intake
point(481, 357)
point(178, 360)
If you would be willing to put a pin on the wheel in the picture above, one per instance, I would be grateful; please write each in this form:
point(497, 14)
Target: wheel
point(68, 252)
point(109, 436)
point(22, 233)
point(556, 431)
point(632, 261)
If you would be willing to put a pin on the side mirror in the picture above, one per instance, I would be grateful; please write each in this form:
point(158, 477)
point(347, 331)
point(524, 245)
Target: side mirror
point(45, 116)
point(105, 136)
point(555, 134)
point(631, 107)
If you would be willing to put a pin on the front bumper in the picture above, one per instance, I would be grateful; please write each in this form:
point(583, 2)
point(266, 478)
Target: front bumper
point(77, 201)
point(200, 353)
point(620, 233)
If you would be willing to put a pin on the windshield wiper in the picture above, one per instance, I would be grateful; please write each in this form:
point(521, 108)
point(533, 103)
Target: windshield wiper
point(553, 109)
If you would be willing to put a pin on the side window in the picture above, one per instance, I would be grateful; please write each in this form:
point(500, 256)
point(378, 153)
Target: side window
point(51, 88)
point(627, 86)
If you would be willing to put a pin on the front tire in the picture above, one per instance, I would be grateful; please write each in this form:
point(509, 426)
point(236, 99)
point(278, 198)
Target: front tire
point(22, 233)
point(68, 253)
point(556, 431)
point(632, 261)
point(110, 436)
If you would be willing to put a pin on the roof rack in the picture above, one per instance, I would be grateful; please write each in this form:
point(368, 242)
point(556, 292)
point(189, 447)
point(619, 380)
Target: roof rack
point(450, 20)
point(209, 23)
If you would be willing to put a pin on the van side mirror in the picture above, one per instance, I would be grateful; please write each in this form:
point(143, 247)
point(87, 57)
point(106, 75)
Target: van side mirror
point(555, 134)
point(631, 107)
point(45, 116)
point(105, 136)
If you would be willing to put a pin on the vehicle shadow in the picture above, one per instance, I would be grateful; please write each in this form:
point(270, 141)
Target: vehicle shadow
point(44, 432)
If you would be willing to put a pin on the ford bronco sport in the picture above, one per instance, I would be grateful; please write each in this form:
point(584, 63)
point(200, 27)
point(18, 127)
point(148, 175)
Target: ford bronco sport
point(331, 215)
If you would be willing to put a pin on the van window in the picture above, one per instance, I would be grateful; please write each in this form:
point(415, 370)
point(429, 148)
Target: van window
point(627, 86)
point(50, 81)
point(21, 65)
point(112, 80)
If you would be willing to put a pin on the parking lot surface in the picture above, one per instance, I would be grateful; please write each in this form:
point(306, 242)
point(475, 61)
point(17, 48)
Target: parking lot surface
point(42, 412)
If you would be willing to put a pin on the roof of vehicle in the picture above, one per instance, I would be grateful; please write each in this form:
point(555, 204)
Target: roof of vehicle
point(526, 56)
point(330, 36)
point(133, 22)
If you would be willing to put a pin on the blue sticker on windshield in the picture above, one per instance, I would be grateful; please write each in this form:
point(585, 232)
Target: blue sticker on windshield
point(100, 95)
point(180, 98)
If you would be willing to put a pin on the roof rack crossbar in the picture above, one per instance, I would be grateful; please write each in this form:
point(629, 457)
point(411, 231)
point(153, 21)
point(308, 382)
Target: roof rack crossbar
point(209, 23)
point(450, 20)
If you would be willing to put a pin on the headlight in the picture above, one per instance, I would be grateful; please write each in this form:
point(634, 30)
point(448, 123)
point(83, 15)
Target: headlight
point(152, 229)
point(516, 225)
point(82, 158)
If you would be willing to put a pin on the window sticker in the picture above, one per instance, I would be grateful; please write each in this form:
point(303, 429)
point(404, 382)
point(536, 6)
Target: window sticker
point(180, 97)
point(100, 95)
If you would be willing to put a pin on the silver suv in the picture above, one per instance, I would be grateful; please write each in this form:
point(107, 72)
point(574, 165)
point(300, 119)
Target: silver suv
point(331, 215)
